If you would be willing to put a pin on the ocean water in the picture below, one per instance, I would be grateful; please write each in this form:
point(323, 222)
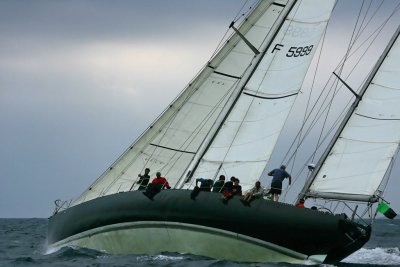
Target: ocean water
point(23, 243)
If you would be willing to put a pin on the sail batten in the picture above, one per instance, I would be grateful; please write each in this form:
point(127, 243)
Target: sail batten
point(268, 97)
point(227, 75)
point(184, 151)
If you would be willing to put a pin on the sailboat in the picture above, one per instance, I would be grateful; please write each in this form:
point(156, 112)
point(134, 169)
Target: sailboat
point(227, 122)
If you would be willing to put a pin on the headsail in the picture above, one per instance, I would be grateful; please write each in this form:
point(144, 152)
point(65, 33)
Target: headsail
point(176, 138)
point(357, 160)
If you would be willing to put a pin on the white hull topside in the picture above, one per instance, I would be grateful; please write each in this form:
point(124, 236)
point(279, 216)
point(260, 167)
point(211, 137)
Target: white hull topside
point(134, 237)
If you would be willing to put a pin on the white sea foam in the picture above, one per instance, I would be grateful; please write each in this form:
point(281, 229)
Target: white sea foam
point(159, 258)
point(381, 256)
point(51, 250)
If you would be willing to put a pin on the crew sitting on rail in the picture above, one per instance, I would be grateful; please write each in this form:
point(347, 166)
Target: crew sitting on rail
point(219, 184)
point(256, 192)
point(143, 179)
point(156, 185)
point(205, 185)
point(230, 189)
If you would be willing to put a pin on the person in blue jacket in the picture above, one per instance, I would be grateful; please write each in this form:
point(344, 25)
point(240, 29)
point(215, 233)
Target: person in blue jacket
point(278, 175)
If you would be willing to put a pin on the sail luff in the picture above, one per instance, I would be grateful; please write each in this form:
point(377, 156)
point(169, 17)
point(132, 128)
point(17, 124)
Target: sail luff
point(306, 191)
point(234, 97)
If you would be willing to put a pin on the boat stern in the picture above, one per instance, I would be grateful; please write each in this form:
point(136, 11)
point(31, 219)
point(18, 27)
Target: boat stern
point(355, 236)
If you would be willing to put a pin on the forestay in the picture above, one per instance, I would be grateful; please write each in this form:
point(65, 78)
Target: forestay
point(248, 136)
point(359, 159)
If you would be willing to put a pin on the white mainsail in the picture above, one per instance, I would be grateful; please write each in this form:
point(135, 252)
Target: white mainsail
point(356, 163)
point(248, 136)
point(176, 138)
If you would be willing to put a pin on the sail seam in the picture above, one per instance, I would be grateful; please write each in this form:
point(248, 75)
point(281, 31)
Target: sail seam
point(374, 118)
point(367, 141)
point(385, 86)
point(173, 149)
point(309, 22)
point(265, 97)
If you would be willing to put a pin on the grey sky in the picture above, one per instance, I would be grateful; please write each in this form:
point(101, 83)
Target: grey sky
point(80, 80)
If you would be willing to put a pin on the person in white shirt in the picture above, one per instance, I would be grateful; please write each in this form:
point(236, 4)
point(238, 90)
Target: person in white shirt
point(256, 192)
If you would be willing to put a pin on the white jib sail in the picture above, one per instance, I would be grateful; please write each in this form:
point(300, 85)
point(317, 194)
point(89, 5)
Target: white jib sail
point(360, 158)
point(248, 136)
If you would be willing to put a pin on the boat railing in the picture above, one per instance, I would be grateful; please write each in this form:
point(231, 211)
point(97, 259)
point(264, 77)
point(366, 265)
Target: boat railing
point(352, 211)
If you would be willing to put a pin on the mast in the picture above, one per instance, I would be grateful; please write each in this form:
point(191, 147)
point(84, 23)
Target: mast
point(305, 191)
point(235, 96)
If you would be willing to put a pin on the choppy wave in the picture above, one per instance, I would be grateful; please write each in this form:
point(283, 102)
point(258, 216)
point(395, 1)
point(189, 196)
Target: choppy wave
point(375, 256)
point(363, 257)
point(76, 252)
point(164, 258)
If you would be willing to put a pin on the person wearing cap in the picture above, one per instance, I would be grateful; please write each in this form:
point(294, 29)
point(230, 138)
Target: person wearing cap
point(156, 185)
point(278, 175)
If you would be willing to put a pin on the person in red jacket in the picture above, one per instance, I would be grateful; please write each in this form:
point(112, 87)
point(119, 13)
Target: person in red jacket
point(156, 185)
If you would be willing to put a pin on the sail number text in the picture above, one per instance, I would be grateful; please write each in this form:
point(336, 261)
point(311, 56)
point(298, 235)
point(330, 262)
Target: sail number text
point(295, 51)
point(299, 51)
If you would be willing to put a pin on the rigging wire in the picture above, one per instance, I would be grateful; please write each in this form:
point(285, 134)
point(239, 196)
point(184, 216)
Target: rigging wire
point(307, 106)
point(308, 101)
point(348, 55)
point(258, 89)
point(339, 73)
point(348, 75)
point(310, 111)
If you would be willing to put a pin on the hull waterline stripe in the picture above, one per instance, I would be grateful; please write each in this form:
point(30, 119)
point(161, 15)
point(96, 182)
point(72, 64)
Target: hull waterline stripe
point(264, 97)
point(173, 149)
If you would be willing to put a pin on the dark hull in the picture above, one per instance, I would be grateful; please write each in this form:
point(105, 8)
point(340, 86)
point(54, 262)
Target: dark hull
point(302, 230)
